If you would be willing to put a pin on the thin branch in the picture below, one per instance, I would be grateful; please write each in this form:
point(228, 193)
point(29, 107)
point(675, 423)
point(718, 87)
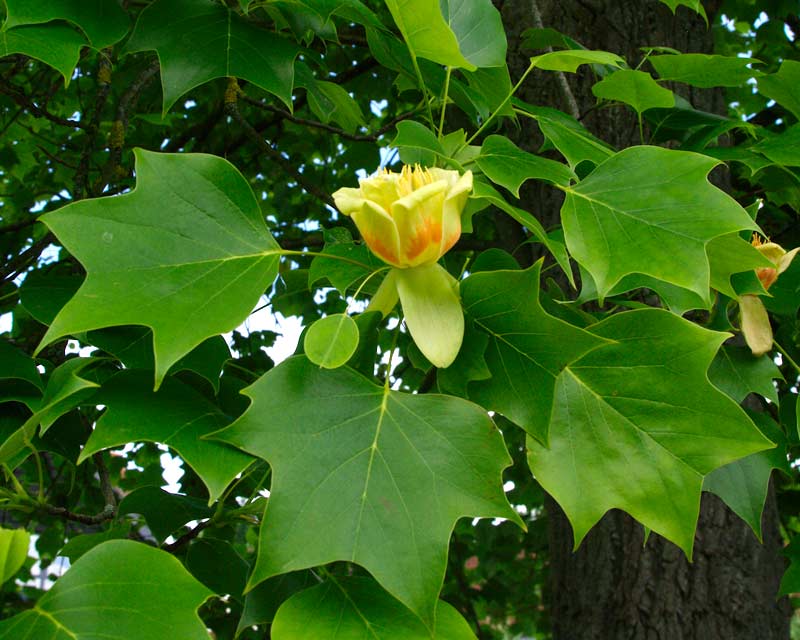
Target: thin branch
point(20, 262)
point(60, 512)
point(186, 538)
point(572, 103)
point(17, 226)
point(232, 109)
point(356, 137)
point(126, 103)
point(105, 482)
point(104, 68)
point(38, 112)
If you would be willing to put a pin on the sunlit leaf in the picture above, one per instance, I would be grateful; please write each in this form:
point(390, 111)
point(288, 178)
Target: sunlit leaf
point(103, 21)
point(350, 607)
point(426, 32)
point(652, 211)
point(784, 86)
point(704, 71)
point(636, 425)
point(176, 415)
point(215, 42)
point(188, 276)
point(528, 348)
point(133, 591)
point(55, 44)
point(634, 88)
point(504, 163)
point(13, 551)
point(385, 474)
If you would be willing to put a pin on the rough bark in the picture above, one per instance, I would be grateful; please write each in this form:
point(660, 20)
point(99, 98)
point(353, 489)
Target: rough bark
point(614, 587)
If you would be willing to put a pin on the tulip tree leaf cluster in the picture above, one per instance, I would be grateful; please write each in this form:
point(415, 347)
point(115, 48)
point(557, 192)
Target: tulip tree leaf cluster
point(169, 183)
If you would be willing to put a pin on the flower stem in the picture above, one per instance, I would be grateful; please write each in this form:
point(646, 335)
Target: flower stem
point(503, 104)
point(423, 88)
point(786, 356)
point(444, 101)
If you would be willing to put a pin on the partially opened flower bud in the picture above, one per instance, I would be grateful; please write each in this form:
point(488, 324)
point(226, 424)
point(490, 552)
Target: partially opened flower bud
point(755, 321)
point(410, 220)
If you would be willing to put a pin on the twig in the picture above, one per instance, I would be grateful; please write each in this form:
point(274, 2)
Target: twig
point(17, 226)
point(126, 102)
point(356, 137)
point(186, 537)
point(61, 512)
point(572, 103)
point(103, 88)
point(38, 112)
point(232, 109)
point(20, 262)
point(105, 482)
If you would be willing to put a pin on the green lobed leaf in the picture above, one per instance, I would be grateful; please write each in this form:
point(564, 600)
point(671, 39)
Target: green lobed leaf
point(504, 163)
point(678, 300)
point(217, 565)
point(385, 474)
point(17, 370)
point(133, 591)
point(133, 346)
point(193, 274)
point(13, 551)
point(43, 293)
point(694, 5)
point(784, 86)
point(342, 274)
point(263, 601)
point(80, 545)
point(331, 341)
point(57, 45)
point(790, 583)
point(65, 390)
point(570, 59)
point(636, 424)
point(663, 200)
point(703, 70)
point(737, 372)
point(528, 348)
point(782, 149)
point(426, 32)
point(733, 262)
point(743, 484)
point(176, 415)
point(417, 143)
point(329, 101)
point(483, 191)
point(103, 21)
point(479, 30)
point(634, 88)
point(352, 608)
point(214, 42)
point(567, 135)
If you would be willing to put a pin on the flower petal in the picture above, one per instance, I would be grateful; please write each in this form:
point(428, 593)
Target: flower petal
point(385, 297)
point(348, 200)
point(454, 204)
point(418, 217)
point(379, 232)
point(786, 260)
point(432, 310)
point(755, 324)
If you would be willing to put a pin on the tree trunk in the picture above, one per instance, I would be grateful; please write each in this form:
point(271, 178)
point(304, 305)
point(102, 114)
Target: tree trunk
point(614, 587)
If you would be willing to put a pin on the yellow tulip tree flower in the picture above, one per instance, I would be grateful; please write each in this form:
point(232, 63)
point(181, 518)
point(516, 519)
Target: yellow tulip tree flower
point(755, 321)
point(410, 220)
